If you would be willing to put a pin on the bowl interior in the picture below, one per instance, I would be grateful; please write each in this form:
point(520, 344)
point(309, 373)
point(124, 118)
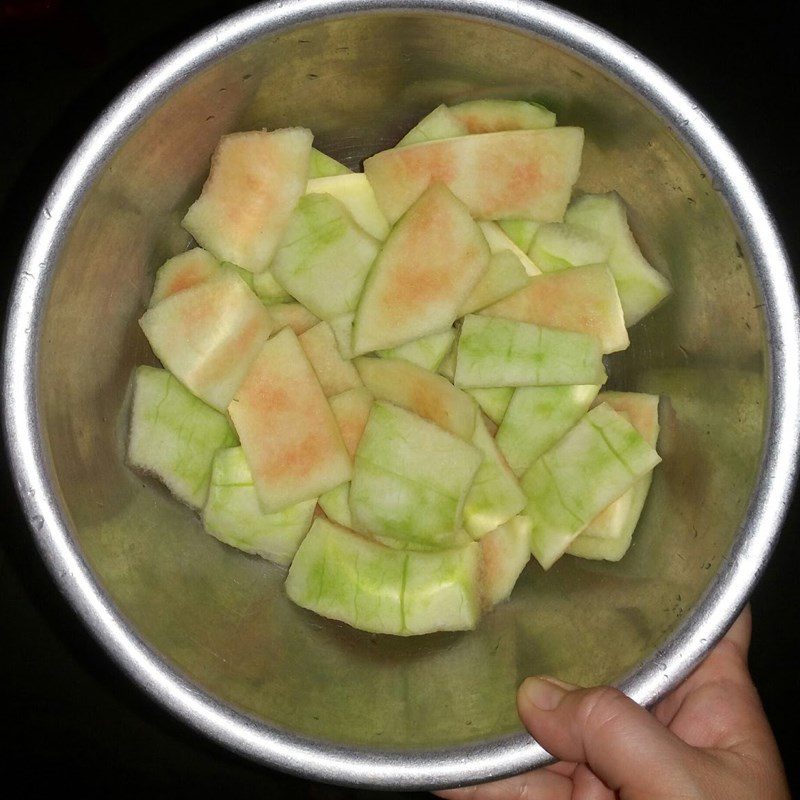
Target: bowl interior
point(221, 617)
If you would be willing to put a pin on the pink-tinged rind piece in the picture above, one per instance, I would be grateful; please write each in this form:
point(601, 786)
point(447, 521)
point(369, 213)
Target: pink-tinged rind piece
point(428, 266)
point(183, 272)
point(582, 299)
point(208, 335)
point(351, 409)
point(290, 436)
point(256, 179)
point(506, 175)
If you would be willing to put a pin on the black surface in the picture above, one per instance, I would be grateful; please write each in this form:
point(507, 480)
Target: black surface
point(66, 712)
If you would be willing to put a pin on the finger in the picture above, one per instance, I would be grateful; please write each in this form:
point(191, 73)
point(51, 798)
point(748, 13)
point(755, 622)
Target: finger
point(587, 786)
point(727, 663)
point(621, 742)
point(741, 631)
point(541, 784)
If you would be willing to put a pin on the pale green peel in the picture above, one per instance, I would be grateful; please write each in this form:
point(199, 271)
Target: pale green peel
point(504, 276)
point(442, 590)
point(400, 511)
point(439, 124)
point(323, 166)
point(495, 496)
point(174, 436)
point(324, 256)
point(336, 505)
point(500, 242)
point(537, 417)
point(354, 191)
point(410, 478)
point(493, 402)
point(608, 536)
point(269, 291)
point(559, 245)
point(232, 513)
point(521, 232)
point(343, 576)
point(605, 548)
point(498, 352)
point(247, 276)
point(505, 553)
point(427, 352)
point(641, 287)
point(591, 466)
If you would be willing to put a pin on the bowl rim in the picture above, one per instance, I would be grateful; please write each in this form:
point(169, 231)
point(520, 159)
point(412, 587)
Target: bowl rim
point(271, 745)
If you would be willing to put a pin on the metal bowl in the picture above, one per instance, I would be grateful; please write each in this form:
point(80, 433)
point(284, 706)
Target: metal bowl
point(207, 630)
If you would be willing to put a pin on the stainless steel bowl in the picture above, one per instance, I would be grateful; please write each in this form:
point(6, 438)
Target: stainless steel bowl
point(206, 630)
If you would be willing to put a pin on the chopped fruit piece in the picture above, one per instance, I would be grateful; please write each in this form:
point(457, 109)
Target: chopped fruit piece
point(255, 182)
point(336, 375)
point(641, 287)
point(503, 175)
point(336, 505)
point(448, 365)
point(537, 417)
point(174, 436)
point(427, 352)
point(343, 576)
point(324, 257)
point(493, 401)
point(351, 409)
point(521, 232)
point(428, 266)
point(417, 389)
point(232, 513)
point(439, 124)
point(594, 464)
point(182, 272)
point(292, 315)
point(582, 299)
point(269, 291)
point(608, 536)
point(323, 166)
point(342, 328)
point(410, 479)
point(290, 437)
point(500, 352)
point(488, 116)
point(505, 553)
point(495, 495)
point(500, 242)
point(355, 193)
point(208, 335)
point(558, 246)
point(504, 276)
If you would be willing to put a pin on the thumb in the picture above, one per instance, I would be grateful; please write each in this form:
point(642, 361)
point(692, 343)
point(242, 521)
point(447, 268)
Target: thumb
point(622, 743)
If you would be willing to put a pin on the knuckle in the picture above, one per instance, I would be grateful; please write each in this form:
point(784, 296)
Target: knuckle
point(600, 709)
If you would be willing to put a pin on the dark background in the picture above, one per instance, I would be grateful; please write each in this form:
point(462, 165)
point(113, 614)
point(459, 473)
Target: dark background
point(68, 717)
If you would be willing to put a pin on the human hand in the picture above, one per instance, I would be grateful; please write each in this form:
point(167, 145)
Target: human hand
point(707, 740)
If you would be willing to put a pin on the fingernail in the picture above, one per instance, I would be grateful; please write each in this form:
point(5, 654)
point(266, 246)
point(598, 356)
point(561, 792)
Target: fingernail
point(542, 693)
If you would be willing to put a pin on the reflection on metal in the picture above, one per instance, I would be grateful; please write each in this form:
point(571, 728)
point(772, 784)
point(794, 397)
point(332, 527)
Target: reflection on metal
point(206, 630)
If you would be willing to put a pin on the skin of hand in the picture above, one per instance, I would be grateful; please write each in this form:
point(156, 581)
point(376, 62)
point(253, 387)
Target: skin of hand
point(707, 740)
